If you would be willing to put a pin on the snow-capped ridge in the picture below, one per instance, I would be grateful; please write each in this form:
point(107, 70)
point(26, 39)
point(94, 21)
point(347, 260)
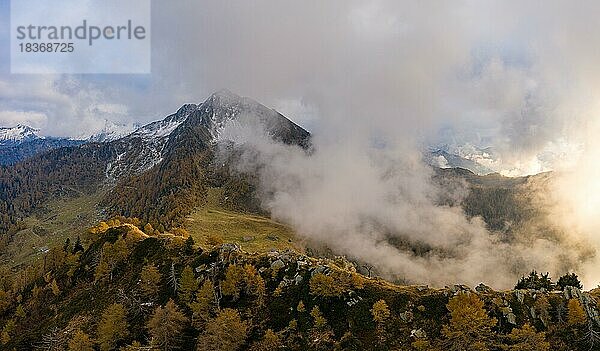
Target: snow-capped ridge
point(14, 136)
point(112, 131)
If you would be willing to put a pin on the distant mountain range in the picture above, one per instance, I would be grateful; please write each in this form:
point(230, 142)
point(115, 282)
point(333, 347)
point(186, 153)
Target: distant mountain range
point(21, 142)
point(158, 173)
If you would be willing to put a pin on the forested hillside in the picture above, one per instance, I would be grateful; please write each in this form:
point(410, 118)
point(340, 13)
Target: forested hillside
point(132, 291)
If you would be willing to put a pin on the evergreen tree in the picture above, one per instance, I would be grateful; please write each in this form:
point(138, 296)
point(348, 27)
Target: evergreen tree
point(535, 281)
point(67, 246)
point(569, 280)
point(78, 247)
point(189, 245)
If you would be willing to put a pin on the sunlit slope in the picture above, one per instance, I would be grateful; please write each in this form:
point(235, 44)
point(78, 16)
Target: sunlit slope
point(50, 225)
point(252, 232)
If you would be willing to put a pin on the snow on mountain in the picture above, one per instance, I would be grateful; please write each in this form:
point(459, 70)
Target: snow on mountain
point(17, 135)
point(165, 127)
point(146, 147)
point(112, 131)
point(225, 107)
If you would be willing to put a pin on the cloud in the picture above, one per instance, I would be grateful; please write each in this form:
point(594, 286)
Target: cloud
point(521, 78)
point(379, 205)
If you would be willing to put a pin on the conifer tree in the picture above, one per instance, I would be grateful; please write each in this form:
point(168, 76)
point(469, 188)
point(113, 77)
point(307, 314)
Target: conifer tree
point(470, 327)
point(165, 326)
point(527, 338)
point(380, 311)
point(7, 331)
point(81, 342)
point(234, 277)
point(55, 288)
point(576, 315)
point(150, 281)
point(270, 341)
point(20, 312)
point(78, 247)
point(204, 304)
point(189, 285)
point(226, 332)
point(112, 327)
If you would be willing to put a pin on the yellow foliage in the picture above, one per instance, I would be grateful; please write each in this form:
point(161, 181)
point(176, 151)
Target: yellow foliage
point(324, 285)
point(150, 280)
point(576, 315)
point(227, 332)
point(301, 307)
point(166, 324)
point(112, 327)
point(319, 320)
point(380, 311)
point(81, 342)
point(202, 307)
point(189, 284)
point(470, 327)
point(527, 338)
point(234, 277)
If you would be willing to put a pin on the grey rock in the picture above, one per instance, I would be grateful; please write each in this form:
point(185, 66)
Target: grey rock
point(278, 264)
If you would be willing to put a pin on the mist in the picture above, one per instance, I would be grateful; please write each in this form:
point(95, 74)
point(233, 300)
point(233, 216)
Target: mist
point(377, 83)
point(375, 202)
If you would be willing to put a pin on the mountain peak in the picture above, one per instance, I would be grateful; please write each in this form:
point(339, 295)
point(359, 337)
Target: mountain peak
point(186, 109)
point(12, 136)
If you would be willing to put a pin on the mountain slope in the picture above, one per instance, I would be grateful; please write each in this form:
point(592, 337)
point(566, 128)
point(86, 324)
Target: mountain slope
point(183, 145)
point(280, 300)
point(159, 173)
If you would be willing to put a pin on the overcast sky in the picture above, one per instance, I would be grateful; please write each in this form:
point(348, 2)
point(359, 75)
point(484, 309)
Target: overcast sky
point(519, 76)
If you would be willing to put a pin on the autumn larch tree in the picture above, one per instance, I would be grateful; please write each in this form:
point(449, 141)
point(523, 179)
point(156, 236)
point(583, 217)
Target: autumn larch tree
point(166, 326)
point(470, 327)
point(527, 338)
point(112, 328)
point(81, 342)
point(270, 341)
point(150, 281)
point(204, 304)
point(234, 278)
point(381, 314)
point(188, 285)
point(576, 315)
point(226, 332)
